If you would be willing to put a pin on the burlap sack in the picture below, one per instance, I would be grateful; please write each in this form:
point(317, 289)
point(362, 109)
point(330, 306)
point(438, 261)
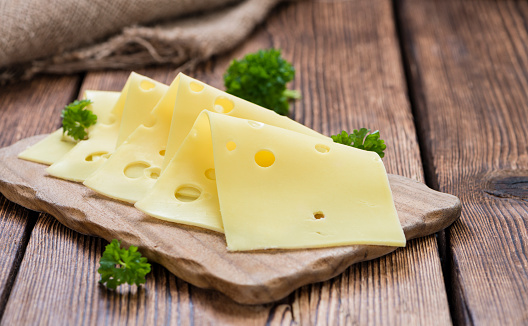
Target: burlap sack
point(65, 36)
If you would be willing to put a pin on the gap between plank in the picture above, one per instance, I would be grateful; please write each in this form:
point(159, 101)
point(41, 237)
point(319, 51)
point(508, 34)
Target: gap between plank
point(416, 98)
point(76, 94)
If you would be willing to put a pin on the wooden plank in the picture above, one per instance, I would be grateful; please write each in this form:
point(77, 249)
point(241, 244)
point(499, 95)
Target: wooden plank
point(469, 66)
point(39, 100)
point(15, 227)
point(350, 73)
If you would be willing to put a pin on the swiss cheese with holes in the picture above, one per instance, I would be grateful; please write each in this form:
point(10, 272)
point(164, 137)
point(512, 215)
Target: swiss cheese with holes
point(275, 188)
point(52, 148)
point(197, 96)
point(137, 99)
point(186, 191)
point(195, 155)
point(136, 164)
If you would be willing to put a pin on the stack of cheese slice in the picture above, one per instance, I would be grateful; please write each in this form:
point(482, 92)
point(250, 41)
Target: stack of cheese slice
point(192, 154)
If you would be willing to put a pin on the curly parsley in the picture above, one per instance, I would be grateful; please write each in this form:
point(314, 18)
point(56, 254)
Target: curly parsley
point(119, 265)
point(359, 139)
point(261, 78)
point(76, 118)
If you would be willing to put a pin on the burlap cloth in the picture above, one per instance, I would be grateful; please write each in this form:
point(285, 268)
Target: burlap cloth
point(66, 36)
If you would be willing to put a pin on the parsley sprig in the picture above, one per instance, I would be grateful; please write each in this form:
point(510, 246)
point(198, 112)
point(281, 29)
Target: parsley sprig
point(76, 118)
point(261, 78)
point(119, 266)
point(360, 139)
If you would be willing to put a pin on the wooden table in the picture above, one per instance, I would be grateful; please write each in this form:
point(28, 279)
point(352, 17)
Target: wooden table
point(446, 82)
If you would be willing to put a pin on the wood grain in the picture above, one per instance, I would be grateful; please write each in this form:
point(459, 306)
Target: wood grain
point(349, 70)
point(469, 64)
point(38, 99)
point(77, 298)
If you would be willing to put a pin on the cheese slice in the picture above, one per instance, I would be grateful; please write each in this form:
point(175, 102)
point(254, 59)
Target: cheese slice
point(276, 188)
point(281, 189)
point(50, 149)
point(195, 96)
point(136, 164)
point(186, 191)
point(137, 99)
point(133, 168)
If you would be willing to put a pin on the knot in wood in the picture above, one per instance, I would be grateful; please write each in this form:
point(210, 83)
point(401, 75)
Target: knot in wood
point(508, 184)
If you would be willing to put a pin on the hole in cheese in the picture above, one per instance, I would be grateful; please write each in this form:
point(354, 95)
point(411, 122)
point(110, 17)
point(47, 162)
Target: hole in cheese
point(231, 145)
point(264, 158)
point(135, 170)
point(187, 193)
point(223, 105)
point(162, 152)
point(149, 122)
point(210, 174)
point(196, 87)
point(95, 156)
point(319, 215)
point(146, 85)
point(153, 173)
point(322, 148)
point(255, 124)
point(111, 119)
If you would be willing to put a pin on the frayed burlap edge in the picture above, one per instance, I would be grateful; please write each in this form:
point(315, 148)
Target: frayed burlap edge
point(184, 43)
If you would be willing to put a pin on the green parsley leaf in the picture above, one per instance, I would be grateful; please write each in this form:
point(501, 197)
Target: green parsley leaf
point(261, 78)
point(360, 139)
point(119, 265)
point(76, 119)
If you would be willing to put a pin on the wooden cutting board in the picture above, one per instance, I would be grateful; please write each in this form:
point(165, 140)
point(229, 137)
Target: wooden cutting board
point(199, 256)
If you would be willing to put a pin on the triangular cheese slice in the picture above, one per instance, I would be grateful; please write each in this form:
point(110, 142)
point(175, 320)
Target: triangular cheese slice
point(186, 191)
point(137, 99)
point(276, 188)
point(282, 189)
point(133, 168)
point(196, 97)
point(135, 165)
point(52, 148)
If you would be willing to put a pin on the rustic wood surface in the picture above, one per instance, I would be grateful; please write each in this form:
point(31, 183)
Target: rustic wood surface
point(351, 76)
point(470, 81)
point(199, 256)
point(466, 69)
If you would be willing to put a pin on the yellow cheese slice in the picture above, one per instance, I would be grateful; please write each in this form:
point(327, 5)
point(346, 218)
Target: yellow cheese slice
point(195, 96)
point(276, 188)
point(143, 95)
point(137, 99)
point(133, 168)
point(50, 149)
point(136, 164)
point(186, 191)
point(281, 189)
